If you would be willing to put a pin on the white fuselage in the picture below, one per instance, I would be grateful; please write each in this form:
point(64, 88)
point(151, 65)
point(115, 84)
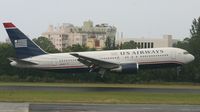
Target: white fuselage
point(153, 56)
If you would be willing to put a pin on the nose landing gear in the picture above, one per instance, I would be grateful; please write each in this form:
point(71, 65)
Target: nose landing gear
point(178, 70)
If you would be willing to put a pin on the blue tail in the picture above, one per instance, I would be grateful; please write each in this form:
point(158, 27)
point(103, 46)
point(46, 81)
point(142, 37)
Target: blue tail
point(24, 46)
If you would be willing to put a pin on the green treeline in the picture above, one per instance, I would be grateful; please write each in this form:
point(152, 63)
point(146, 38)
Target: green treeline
point(188, 73)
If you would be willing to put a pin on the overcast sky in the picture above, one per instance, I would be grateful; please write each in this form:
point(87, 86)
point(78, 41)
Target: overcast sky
point(136, 18)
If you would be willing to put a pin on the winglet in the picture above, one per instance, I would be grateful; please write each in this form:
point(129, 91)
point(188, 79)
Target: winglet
point(9, 25)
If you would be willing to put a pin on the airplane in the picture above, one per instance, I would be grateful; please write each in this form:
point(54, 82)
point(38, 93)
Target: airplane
point(30, 55)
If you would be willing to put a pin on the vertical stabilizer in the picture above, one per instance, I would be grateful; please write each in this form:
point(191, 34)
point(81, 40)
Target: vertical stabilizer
point(24, 46)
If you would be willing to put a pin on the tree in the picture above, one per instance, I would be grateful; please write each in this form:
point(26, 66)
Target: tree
point(191, 71)
point(76, 48)
point(194, 47)
point(195, 39)
point(110, 43)
point(195, 28)
point(129, 45)
point(6, 71)
point(113, 44)
point(46, 44)
point(183, 44)
point(6, 51)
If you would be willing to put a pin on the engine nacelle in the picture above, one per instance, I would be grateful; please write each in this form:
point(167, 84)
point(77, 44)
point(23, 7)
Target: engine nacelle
point(127, 68)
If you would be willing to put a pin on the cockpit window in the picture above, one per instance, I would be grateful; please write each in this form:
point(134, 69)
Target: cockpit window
point(185, 52)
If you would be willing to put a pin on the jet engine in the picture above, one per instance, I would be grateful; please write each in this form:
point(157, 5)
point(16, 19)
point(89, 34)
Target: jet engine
point(127, 68)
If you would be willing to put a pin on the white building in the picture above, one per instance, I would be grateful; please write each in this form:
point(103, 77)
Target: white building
point(165, 41)
point(59, 36)
point(67, 35)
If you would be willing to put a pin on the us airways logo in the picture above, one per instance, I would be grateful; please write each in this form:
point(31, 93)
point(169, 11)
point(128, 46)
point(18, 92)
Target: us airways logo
point(142, 52)
point(20, 43)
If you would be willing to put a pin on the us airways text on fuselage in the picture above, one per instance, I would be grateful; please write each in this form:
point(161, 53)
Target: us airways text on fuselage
point(142, 52)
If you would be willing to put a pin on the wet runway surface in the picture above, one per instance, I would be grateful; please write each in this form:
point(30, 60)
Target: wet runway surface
point(112, 108)
point(100, 89)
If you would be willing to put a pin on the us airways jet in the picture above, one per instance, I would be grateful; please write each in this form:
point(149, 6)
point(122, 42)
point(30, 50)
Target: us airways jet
point(30, 55)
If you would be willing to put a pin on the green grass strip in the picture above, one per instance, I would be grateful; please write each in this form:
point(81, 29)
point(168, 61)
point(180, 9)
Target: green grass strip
point(99, 97)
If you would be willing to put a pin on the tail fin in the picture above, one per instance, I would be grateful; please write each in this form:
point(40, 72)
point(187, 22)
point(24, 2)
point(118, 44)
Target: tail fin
point(24, 46)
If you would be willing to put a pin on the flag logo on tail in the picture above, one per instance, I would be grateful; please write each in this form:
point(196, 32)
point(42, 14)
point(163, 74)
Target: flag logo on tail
point(20, 43)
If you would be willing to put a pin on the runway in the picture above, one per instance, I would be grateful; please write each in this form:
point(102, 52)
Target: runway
point(63, 107)
point(112, 108)
point(66, 107)
point(100, 89)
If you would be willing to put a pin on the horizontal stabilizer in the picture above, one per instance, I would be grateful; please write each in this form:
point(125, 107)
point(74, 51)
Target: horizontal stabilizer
point(23, 62)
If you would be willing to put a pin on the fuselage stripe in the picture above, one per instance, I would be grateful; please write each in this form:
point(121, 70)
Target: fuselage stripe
point(161, 62)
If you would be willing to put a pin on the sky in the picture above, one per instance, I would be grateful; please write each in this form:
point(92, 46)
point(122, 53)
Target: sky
point(135, 18)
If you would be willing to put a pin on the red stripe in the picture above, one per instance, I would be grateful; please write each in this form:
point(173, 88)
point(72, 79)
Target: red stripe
point(65, 67)
point(8, 25)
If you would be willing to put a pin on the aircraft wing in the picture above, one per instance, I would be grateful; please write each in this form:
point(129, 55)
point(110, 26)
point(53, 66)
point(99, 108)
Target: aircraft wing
point(23, 62)
point(97, 62)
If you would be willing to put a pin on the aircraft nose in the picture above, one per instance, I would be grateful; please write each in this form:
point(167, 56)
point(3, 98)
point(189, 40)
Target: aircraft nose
point(192, 57)
point(189, 58)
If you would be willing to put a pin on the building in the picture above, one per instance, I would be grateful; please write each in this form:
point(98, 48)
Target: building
point(166, 41)
point(59, 36)
point(88, 34)
point(95, 43)
point(98, 34)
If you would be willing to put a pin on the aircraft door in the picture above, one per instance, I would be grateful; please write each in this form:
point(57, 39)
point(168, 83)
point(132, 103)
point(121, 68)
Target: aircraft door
point(173, 55)
point(55, 62)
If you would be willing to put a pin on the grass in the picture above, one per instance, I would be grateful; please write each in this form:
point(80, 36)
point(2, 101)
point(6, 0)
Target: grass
point(151, 85)
point(99, 97)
